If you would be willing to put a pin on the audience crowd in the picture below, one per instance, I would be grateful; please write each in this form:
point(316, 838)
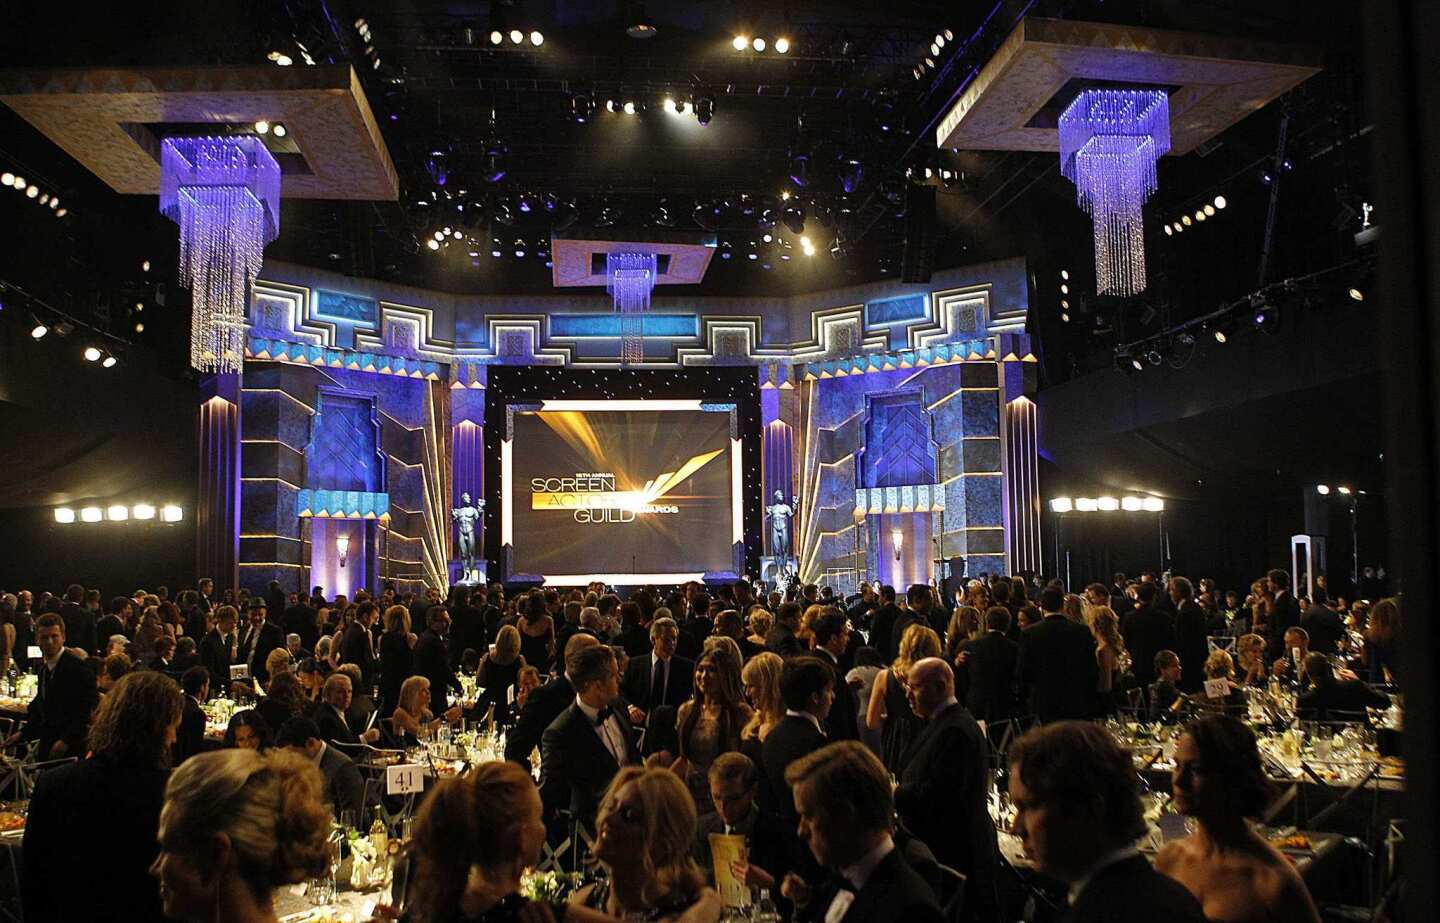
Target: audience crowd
point(854, 744)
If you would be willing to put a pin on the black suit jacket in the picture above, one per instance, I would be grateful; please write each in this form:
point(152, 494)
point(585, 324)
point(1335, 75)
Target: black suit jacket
point(1147, 631)
point(572, 755)
point(1324, 627)
point(467, 632)
point(1349, 696)
point(542, 707)
point(267, 637)
point(882, 628)
point(300, 620)
point(1285, 615)
point(108, 626)
point(781, 640)
point(215, 657)
point(79, 627)
point(1057, 665)
point(841, 723)
point(69, 875)
point(1190, 644)
point(944, 784)
point(397, 662)
point(190, 739)
point(789, 740)
point(62, 706)
point(334, 728)
point(432, 661)
point(894, 893)
point(357, 646)
point(990, 676)
point(344, 788)
point(636, 684)
point(636, 641)
point(1132, 891)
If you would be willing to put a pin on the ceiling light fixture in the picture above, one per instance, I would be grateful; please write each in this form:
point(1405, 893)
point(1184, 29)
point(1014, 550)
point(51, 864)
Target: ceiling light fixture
point(782, 45)
point(740, 43)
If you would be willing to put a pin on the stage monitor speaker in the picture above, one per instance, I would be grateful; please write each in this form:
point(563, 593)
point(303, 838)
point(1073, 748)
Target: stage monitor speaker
point(918, 260)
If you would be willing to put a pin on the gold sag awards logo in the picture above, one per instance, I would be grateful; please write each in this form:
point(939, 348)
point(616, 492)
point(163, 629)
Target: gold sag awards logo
point(592, 496)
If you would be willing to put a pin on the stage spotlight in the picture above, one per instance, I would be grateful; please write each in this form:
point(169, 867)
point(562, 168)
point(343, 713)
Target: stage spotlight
point(1208, 209)
point(143, 511)
point(496, 37)
point(758, 43)
point(1131, 504)
point(18, 182)
point(1064, 275)
point(669, 105)
point(1137, 362)
point(279, 130)
point(1169, 231)
point(1220, 201)
point(1220, 336)
point(64, 514)
point(38, 328)
point(782, 45)
point(32, 191)
point(1343, 490)
point(109, 361)
point(7, 178)
point(263, 127)
point(1154, 505)
point(1322, 489)
point(630, 108)
point(940, 39)
point(60, 213)
point(1199, 214)
point(516, 36)
point(807, 246)
point(91, 514)
point(1107, 504)
point(171, 513)
point(752, 255)
point(582, 107)
point(118, 513)
point(433, 244)
point(1356, 294)
point(934, 48)
point(537, 38)
point(1086, 504)
point(1062, 505)
point(930, 63)
point(1154, 356)
point(1185, 220)
point(139, 328)
point(767, 237)
point(610, 105)
point(1179, 228)
point(1064, 318)
point(496, 253)
point(949, 36)
point(92, 354)
point(740, 43)
point(704, 109)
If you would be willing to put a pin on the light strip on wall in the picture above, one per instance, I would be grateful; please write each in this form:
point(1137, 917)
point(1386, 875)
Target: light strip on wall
point(619, 405)
point(506, 505)
point(737, 504)
point(619, 579)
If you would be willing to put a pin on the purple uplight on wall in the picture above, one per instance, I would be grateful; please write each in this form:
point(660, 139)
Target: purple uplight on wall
point(225, 195)
point(1110, 141)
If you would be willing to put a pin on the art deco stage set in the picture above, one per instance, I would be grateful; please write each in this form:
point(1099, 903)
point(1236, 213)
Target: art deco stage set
point(894, 415)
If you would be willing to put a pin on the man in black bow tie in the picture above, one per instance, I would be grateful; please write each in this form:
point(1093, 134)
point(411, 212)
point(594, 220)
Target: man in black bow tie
point(591, 740)
point(842, 794)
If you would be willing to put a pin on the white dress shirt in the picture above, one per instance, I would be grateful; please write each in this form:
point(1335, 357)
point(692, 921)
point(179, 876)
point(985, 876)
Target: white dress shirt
point(790, 712)
point(609, 732)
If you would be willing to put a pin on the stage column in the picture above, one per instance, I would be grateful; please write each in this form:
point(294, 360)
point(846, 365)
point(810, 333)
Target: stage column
point(1021, 455)
point(467, 458)
point(217, 512)
point(779, 418)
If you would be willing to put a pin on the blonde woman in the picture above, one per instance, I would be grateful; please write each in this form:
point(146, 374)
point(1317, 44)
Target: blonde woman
point(1219, 665)
point(645, 832)
point(760, 621)
point(761, 679)
point(889, 711)
point(238, 824)
point(500, 669)
point(1110, 655)
point(1250, 651)
point(412, 719)
point(1074, 609)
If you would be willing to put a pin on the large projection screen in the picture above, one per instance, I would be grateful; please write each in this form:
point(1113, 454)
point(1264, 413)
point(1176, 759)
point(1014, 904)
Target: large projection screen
point(622, 492)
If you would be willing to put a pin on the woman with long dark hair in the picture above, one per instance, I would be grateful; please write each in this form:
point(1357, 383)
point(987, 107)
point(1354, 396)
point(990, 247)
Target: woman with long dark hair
point(712, 722)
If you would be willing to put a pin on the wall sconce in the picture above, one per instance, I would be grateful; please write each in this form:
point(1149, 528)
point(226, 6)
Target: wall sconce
point(342, 545)
point(897, 539)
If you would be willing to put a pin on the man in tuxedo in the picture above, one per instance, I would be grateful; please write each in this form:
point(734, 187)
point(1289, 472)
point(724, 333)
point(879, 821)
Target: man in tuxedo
point(220, 649)
point(945, 784)
point(1331, 699)
point(344, 787)
point(59, 716)
point(1190, 634)
point(1147, 631)
point(299, 620)
point(585, 747)
point(781, 638)
point(261, 637)
point(542, 707)
point(1323, 624)
point(882, 625)
point(1057, 663)
point(1286, 612)
point(659, 678)
point(332, 717)
point(916, 612)
point(807, 687)
point(274, 597)
point(863, 608)
point(205, 594)
point(1078, 815)
point(468, 631)
point(190, 739)
point(357, 645)
point(846, 810)
point(79, 621)
point(698, 624)
point(832, 635)
point(634, 630)
point(115, 621)
point(432, 659)
point(988, 664)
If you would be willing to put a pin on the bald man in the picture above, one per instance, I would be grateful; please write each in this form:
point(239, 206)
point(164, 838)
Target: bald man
point(944, 783)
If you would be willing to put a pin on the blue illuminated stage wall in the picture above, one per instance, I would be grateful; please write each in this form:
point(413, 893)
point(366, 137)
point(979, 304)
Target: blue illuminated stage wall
point(897, 413)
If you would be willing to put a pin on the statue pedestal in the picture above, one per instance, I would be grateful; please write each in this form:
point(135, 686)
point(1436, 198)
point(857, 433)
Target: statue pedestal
point(772, 569)
point(473, 577)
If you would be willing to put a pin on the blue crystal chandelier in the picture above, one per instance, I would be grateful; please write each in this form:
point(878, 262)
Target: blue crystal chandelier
point(630, 277)
point(1109, 143)
point(225, 195)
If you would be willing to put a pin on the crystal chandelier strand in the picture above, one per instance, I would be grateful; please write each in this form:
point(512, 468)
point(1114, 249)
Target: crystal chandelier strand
point(630, 279)
point(224, 193)
point(1110, 141)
